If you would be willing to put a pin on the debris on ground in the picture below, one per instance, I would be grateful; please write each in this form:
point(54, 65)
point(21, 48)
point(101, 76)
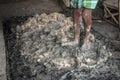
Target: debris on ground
point(38, 54)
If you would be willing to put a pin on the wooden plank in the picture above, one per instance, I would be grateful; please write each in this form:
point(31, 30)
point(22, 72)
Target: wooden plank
point(113, 17)
point(119, 13)
point(112, 3)
point(114, 14)
point(2, 54)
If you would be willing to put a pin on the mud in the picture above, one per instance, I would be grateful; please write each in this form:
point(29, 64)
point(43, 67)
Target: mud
point(35, 51)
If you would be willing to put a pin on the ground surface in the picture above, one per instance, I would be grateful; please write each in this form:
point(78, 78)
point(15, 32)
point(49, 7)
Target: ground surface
point(20, 8)
point(30, 7)
point(35, 50)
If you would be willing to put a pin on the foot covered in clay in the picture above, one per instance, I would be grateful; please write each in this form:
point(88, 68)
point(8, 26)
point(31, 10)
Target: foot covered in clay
point(71, 43)
point(85, 46)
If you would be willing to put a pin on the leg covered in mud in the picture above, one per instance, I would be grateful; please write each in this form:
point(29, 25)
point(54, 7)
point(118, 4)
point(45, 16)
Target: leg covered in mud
point(87, 16)
point(76, 24)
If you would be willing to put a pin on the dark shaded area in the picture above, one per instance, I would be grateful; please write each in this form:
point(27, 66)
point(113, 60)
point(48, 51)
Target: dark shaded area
point(14, 62)
point(10, 1)
point(28, 7)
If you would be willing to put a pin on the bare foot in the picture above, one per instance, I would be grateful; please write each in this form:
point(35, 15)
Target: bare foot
point(85, 46)
point(71, 43)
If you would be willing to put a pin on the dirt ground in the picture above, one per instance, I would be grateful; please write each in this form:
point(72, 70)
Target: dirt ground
point(28, 7)
point(31, 7)
point(34, 49)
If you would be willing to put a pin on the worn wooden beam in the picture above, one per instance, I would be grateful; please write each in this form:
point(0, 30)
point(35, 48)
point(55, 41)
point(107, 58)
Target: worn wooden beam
point(114, 14)
point(111, 3)
point(113, 17)
point(119, 12)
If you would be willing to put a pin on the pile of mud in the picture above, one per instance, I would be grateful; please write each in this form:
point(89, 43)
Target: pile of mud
point(36, 52)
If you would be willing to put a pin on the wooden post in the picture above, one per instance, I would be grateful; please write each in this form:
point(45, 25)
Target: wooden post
point(119, 12)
